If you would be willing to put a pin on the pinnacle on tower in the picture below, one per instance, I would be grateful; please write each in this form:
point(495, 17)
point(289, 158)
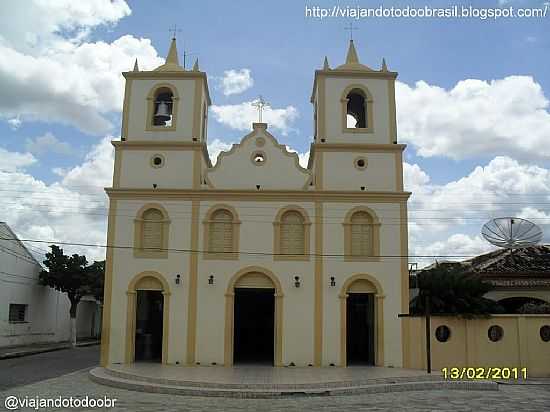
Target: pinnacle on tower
point(384, 66)
point(196, 65)
point(325, 64)
point(172, 57)
point(136, 67)
point(351, 57)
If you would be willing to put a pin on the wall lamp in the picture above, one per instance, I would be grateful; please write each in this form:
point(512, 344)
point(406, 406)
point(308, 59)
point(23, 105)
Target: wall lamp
point(211, 279)
point(297, 281)
point(178, 279)
point(332, 281)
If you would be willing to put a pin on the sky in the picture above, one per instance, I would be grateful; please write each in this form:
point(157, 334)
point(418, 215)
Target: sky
point(472, 103)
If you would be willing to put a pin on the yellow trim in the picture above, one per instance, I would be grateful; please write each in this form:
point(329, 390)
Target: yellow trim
point(133, 287)
point(391, 113)
point(399, 171)
point(405, 324)
point(236, 233)
point(348, 257)
point(319, 170)
point(151, 75)
point(322, 75)
point(157, 144)
point(193, 285)
point(277, 234)
point(138, 233)
point(358, 147)
point(379, 318)
point(126, 108)
point(229, 314)
point(260, 196)
point(108, 290)
point(117, 168)
point(318, 316)
point(322, 102)
point(369, 116)
point(197, 111)
point(151, 107)
point(196, 170)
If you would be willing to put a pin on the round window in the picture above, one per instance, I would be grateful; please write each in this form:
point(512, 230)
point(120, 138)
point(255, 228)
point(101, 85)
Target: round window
point(360, 163)
point(157, 161)
point(442, 333)
point(495, 333)
point(545, 333)
point(258, 158)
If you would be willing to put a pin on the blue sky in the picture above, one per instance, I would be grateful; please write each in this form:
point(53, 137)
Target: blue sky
point(468, 118)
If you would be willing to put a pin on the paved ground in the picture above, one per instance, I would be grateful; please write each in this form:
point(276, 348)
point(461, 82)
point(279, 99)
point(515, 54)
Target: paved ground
point(34, 368)
point(509, 398)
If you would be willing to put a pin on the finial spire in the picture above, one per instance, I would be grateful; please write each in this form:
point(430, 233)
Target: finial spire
point(172, 57)
point(196, 65)
point(351, 57)
point(325, 64)
point(136, 67)
point(384, 66)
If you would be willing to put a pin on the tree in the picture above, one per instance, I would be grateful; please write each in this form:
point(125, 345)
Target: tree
point(73, 276)
point(453, 291)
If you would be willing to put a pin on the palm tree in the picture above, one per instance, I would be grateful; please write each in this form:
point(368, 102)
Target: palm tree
point(453, 291)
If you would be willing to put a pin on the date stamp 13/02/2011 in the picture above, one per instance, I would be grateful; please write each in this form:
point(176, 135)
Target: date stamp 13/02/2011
point(470, 373)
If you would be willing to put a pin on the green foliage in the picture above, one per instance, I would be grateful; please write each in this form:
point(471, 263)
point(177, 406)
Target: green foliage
point(453, 291)
point(72, 275)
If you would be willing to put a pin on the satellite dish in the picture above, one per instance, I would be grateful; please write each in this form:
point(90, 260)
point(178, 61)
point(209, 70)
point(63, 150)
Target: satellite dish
point(511, 232)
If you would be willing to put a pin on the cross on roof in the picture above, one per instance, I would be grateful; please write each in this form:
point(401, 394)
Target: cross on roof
point(260, 104)
point(351, 29)
point(174, 31)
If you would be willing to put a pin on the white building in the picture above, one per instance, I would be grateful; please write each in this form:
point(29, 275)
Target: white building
point(32, 313)
point(257, 259)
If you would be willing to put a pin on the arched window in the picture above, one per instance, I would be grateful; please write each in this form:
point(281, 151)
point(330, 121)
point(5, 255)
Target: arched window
point(221, 233)
point(291, 234)
point(151, 233)
point(357, 110)
point(162, 107)
point(152, 229)
point(362, 235)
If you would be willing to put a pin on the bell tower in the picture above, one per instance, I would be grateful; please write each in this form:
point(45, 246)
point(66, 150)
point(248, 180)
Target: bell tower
point(164, 125)
point(355, 133)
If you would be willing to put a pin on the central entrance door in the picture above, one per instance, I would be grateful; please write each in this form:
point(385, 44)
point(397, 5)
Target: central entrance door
point(149, 322)
point(254, 323)
point(360, 329)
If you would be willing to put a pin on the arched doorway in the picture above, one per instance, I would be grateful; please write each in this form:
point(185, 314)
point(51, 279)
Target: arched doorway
point(253, 327)
point(361, 317)
point(147, 318)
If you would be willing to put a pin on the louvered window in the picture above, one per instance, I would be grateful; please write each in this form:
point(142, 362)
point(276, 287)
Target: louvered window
point(152, 229)
point(221, 232)
point(292, 234)
point(361, 234)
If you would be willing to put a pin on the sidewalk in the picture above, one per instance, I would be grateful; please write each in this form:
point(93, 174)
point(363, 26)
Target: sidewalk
point(26, 350)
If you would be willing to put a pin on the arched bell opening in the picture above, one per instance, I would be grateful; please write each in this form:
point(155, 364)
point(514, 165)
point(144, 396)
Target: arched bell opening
point(163, 107)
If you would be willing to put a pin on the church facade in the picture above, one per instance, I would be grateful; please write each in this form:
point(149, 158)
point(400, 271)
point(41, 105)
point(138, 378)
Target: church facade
point(257, 259)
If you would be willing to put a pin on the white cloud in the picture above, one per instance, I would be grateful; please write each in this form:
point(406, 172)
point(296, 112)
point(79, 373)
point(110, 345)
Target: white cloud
point(49, 73)
point(47, 143)
point(72, 209)
point(215, 148)
point(503, 117)
point(15, 161)
point(14, 123)
point(303, 158)
point(236, 81)
point(456, 247)
point(241, 116)
point(447, 219)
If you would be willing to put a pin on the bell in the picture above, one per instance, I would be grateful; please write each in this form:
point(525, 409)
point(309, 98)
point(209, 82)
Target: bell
point(163, 113)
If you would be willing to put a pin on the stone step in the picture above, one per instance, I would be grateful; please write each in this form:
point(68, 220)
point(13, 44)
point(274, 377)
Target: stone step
point(314, 385)
point(102, 376)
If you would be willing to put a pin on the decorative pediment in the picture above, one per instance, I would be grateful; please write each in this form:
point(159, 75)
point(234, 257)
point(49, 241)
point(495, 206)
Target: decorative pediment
point(258, 162)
